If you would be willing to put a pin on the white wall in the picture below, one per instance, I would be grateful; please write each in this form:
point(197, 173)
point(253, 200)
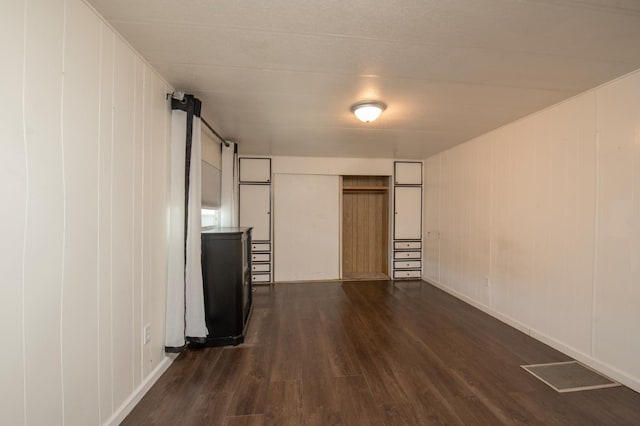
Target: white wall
point(83, 180)
point(332, 166)
point(548, 209)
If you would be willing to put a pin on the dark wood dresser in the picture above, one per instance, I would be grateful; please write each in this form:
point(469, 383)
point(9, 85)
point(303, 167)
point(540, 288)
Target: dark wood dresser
point(226, 273)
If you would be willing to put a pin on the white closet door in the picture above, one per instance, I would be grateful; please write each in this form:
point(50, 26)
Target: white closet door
point(255, 210)
point(408, 213)
point(307, 227)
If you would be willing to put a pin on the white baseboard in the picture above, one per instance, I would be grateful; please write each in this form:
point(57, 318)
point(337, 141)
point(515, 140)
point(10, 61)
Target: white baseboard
point(127, 406)
point(602, 367)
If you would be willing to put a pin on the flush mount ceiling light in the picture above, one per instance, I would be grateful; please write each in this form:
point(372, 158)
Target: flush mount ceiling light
point(368, 111)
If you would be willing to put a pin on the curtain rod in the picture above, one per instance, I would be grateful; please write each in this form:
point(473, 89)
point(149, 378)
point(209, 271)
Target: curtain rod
point(214, 131)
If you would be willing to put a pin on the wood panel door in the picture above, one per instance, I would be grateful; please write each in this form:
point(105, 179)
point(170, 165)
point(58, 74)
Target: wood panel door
point(365, 227)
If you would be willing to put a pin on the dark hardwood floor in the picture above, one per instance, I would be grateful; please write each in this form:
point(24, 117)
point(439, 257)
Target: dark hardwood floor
point(371, 353)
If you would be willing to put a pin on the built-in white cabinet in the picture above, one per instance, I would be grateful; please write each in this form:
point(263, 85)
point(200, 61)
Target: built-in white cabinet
point(255, 212)
point(255, 170)
point(408, 213)
point(407, 220)
point(407, 173)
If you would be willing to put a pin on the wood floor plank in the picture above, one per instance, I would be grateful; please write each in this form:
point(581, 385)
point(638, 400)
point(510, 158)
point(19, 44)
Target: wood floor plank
point(262, 320)
point(321, 416)
point(249, 396)
point(473, 412)
point(340, 347)
point(429, 400)
point(206, 408)
point(177, 392)
point(372, 353)
point(317, 375)
point(232, 366)
point(366, 326)
point(254, 420)
point(356, 403)
point(284, 404)
point(286, 349)
point(401, 414)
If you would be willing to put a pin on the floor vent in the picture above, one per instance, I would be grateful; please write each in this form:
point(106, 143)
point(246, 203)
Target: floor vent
point(569, 376)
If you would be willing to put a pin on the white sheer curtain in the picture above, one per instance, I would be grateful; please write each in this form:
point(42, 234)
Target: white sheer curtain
point(194, 292)
point(175, 274)
point(185, 294)
point(229, 186)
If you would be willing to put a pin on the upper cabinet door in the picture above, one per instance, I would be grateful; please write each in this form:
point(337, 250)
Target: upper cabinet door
point(408, 173)
point(408, 213)
point(255, 170)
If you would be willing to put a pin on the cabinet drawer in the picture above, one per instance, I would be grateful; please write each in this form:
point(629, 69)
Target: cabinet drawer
point(409, 264)
point(261, 247)
point(260, 257)
point(261, 278)
point(407, 254)
point(406, 245)
point(260, 267)
point(406, 274)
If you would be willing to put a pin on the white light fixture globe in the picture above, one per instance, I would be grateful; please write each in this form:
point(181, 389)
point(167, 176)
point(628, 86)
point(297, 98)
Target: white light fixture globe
point(368, 111)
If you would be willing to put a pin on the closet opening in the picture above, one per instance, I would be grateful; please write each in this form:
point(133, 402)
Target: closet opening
point(365, 227)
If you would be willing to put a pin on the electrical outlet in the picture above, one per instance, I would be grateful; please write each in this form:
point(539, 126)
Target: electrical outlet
point(486, 280)
point(147, 333)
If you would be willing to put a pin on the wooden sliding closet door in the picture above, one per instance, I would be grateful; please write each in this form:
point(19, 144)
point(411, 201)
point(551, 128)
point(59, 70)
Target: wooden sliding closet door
point(365, 227)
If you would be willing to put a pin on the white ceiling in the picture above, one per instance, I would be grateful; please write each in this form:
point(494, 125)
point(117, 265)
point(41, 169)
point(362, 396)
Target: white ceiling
point(279, 76)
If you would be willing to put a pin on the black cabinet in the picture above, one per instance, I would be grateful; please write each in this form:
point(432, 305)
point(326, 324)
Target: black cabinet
point(226, 273)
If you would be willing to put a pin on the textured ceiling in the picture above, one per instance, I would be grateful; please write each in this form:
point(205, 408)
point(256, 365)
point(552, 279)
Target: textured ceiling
point(279, 76)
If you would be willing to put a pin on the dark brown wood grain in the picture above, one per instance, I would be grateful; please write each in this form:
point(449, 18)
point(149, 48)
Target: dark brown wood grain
point(372, 353)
